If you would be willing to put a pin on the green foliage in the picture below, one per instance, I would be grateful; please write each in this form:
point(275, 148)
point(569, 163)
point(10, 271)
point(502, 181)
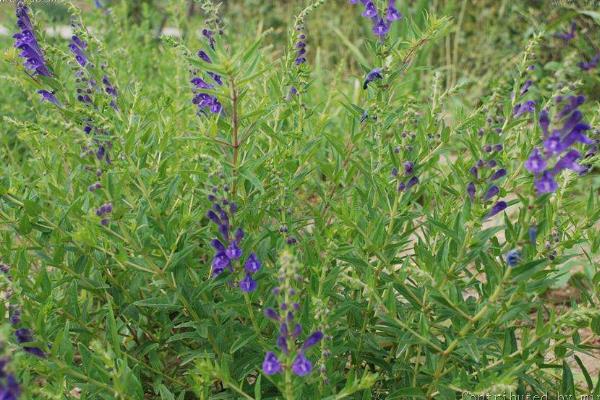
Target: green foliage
point(411, 289)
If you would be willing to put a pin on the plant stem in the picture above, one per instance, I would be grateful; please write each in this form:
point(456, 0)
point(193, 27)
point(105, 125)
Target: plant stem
point(289, 387)
point(235, 131)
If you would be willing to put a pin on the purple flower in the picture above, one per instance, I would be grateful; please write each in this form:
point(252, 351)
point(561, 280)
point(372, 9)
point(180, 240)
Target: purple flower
point(557, 145)
point(271, 364)
point(535, 163)
point(291, 93)
point(593, 63)
point(573, 103)
point(301, 365)
point(9, 388)
point(104, 209)
point(213, 217)
point(26, 41)
point(239, 232)
point(233, 252)
point(391, 13)
point(300, 45)
point(15, 315)
point(525, 87)
point(409, 167)
point(545, 183)
point(572, 122)
point(77, 46)
point(498, 174)
point(248, 284)
point(471, 190)
point(36, 351)
point(271, 314)
point(576, 135)
point(381, 28)
point(544, 121)
point(209, 35)
point(205, 102)
point(48, 96)
point(497, 208)
point(216, 78)
point(282, 342)
point(297, 328)
point(24, 335)
point(513, 258)
point(201, 84)
point(370, 10)
point(527, 107)
point(473, 170)
point(218, 246)
point(412, 182)
point(491, 192)
point(219, 263)
point(371, 76)
point(312, 339)
point(552, 144)
point(108, 88)
point(532, 234)
point(202, 54)
point(569, 35)
point(252, 264)
point(568, 161)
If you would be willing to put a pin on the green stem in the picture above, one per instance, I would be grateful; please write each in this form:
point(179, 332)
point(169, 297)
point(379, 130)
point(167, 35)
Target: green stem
point(289, 386)
point(251, 313)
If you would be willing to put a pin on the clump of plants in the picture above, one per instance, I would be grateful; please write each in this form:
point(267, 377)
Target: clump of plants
point(228, 213)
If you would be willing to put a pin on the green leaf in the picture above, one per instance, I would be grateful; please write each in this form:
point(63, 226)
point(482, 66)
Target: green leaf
point(568, 385)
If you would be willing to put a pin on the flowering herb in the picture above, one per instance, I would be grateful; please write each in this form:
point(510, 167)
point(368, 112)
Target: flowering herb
point(526, 107)
point(382, 22)
point(48, 96)
point(227, 247)
point(408, 179)
point(397, 287)
point(497, 208)
point(556, 152)
point(9, 387)
point(589, 65)
point(568, 35)
point(525, 87)
point(300, 43)
point(77, 47)
point(513, 258)
point(373, 75)
point(27, 43)
point(206, 102)
point(24, 336)
point(290, 329)
point(91, 95)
